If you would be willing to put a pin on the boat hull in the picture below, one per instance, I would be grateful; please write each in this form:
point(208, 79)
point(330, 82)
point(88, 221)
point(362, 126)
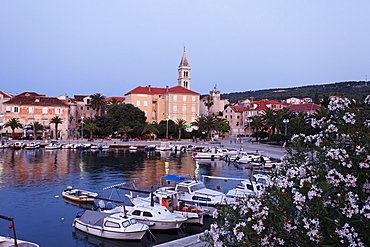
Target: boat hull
point(100, 232)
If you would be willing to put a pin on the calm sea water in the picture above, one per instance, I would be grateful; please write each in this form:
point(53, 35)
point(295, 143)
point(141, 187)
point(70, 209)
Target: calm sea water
point(31, 182)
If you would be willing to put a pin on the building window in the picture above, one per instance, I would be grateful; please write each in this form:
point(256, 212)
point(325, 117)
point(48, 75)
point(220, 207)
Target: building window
point(238, 117)
point(16, 109)
point(82, 107)
point(193, 98)
point(7, 109)
point(175, 98)
point(184, 109)
point(138, 103)
point(87, 108)
point(237, 123)
point(145, 103)
point(30, 110)
point(193, 109)
point(175, 108)
point(146, 113)
point(58, 111)
point(44, 110)
point(184, 98)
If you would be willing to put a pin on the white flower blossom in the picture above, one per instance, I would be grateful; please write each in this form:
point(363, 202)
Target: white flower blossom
point(332, 128)
point(339, 104)
point(349, 117)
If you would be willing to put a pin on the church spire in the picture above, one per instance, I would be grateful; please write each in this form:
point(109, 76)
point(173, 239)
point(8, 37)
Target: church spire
point(183, 79)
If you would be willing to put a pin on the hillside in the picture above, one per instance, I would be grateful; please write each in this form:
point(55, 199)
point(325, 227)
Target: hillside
point(350, 89)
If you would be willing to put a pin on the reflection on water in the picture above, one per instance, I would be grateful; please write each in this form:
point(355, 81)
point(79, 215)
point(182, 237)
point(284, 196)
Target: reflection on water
point(31, 183)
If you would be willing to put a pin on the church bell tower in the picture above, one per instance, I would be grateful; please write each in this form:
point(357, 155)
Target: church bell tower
point(183, 79)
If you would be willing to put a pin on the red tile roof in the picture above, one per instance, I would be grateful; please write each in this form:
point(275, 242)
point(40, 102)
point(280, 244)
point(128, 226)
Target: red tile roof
point(32, 94)
point(304, 107)
point(41, 101)
point(239, 108)
point(157, 90)
point(117, 98)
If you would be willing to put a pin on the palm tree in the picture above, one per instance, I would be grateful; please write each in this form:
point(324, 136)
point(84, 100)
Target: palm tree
point(208, 103)
point(151, 129)
point(56, 120)
point(269, 117)
point(97, 102)
point(91, 127)
point(180, 124)
point(36, 126)
point(206, 124)
point(124, 129)
point(257, 123)
point(13, 123)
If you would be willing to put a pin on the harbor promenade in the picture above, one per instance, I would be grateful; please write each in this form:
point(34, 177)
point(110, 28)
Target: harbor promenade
point(243, 144)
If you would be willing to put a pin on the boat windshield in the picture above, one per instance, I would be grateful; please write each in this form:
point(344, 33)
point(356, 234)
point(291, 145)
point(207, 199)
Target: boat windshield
point(197, 187)
point(126, 223)
point(133, 221)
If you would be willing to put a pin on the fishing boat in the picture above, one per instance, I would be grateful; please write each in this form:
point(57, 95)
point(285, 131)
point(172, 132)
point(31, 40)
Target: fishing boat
point(32, 145)
point(17, 145)
point(53, 145)
point(110, 225)
point(212, 153)
point(79, 195)
point(132, 147)
point(170, 201)
point(157, 217)
point(12, 242)
point(4, 144)
point(194, 192)
point(149, 147)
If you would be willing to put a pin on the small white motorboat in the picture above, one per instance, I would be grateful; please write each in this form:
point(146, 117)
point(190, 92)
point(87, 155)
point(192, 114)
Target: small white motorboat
point(195, 192)
point(79, 195)
point(4, 144)
point(17, 145)
point(157, 217)
point(133, 148)
point(32, 145)
point(110, 225)
point(212, 153)
point(169, 200)
point(53, 145)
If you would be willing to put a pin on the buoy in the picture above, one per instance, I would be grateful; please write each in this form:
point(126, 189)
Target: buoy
point(218, 187)
point(62, 219)
point(56, 196)
point(225, 180)
point(10, 226)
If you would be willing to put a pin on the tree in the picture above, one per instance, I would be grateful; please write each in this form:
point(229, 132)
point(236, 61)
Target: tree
point(269, 117)
point(124, 129)
point(13, 123)
point(36, 126)
point(56, 120)
point(206, 124)
point(223, 127)
point(320, 194)
point(151, 129)
point(208, 103)
point(180, 124)
point(257, 123)
point(91, 127)
point(97, 102)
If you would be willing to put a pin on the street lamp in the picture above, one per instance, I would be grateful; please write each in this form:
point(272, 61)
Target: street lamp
point(82, 127)
point(286, 121)
point(167, 118)
point(249, 126)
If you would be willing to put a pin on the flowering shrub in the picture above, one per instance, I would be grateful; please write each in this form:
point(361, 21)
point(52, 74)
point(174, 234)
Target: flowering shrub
point(319, 197)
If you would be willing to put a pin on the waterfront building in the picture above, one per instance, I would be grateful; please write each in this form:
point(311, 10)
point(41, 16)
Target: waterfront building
point(212, 104)
point(30, 107)
point(167, 103)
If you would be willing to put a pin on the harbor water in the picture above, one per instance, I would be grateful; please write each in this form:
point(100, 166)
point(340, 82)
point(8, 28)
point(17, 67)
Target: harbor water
point(31, 183)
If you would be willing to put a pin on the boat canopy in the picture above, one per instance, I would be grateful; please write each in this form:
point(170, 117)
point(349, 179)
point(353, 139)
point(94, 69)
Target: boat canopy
point(175, 178)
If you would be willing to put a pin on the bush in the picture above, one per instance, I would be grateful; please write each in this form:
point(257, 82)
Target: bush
point(319, 197)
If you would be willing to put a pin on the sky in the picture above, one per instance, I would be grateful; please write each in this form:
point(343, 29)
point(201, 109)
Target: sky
point(111, 47)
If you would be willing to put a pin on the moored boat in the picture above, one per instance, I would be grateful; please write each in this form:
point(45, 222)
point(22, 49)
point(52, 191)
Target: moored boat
point(110, 225)
point(78, 195)
point(32, 145)
point(4, 144)
point(53, 145)
point(17, 145)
